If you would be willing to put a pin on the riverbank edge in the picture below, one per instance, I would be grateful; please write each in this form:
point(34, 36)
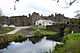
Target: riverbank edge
point(6, 39)
point(18, 37)
point(66, 40)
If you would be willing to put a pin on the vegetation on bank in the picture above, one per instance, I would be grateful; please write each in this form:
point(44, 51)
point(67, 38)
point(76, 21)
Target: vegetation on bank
point(71, 44)
point(39, 31)
point(37, 27)
point(75, 21)
point(6, 39)
point(67, 30)
point(4, 30)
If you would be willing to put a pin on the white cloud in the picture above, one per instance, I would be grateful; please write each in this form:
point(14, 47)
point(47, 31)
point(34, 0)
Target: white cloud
point(45, 7)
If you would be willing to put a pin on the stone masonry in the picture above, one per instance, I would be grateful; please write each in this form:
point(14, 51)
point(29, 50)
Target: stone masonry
point(31, 19)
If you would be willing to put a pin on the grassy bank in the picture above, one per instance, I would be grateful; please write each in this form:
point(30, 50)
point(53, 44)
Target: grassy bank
point(6, 39)
point(5, 30)
point(39, 31)
point(71, 44)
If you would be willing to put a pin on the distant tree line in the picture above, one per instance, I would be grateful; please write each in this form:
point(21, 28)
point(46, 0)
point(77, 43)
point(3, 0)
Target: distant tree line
point(0, 11)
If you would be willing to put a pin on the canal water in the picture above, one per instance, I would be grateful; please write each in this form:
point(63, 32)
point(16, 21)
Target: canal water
point(27, 46)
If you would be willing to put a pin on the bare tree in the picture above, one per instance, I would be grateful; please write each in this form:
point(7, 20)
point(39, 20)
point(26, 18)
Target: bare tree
point(15, 4)
point(67, 3)
point(78, 15)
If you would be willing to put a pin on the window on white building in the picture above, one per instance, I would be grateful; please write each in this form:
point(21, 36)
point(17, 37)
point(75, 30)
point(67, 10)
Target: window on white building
point(49, 22)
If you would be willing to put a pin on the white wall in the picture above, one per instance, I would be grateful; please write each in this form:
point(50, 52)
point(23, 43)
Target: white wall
point(43, 22)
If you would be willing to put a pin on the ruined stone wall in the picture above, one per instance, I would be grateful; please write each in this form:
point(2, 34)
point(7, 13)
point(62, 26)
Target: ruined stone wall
point(3, 19)
point(34, 17)
point(56, 27)
point(21, 21)
point(59, 18)
point(24, 20)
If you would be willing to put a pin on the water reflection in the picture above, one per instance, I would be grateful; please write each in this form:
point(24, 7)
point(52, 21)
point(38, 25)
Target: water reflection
point(28, 47)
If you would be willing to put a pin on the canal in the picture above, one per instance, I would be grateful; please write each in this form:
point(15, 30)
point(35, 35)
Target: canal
point(42, 45)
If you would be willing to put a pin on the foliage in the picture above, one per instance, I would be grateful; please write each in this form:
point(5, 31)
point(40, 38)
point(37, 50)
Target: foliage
point(72, 37)
point(37, 27)
point(47, 32)
point(42, 32)
point(67, 30)
point(74, 21)
point(9, 38)
point(5, 30)
point(37, 33)
point(71, 44)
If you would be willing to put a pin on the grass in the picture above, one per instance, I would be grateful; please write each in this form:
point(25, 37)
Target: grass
point(9, 38)
point(41, 31)
point(47, 32)
point(71, 44)
point(6, 39)
point(5, 30)
point(37, 27)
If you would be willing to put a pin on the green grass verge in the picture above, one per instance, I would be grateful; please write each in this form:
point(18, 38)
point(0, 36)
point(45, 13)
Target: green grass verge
point(42, 32)
point(36, 27)
point(47, 32)
point(6, 39)
point(71, 44)
point(5, 30)
point(9, 38)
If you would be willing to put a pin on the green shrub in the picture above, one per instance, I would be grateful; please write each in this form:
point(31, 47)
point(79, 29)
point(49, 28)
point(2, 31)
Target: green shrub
point(9, 38)
point(5, 30)
point(67, 30)
point(37, 33)
point(71, 44)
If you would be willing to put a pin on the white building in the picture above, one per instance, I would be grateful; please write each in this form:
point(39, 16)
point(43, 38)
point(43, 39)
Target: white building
point(44, 22)
point(12, 26)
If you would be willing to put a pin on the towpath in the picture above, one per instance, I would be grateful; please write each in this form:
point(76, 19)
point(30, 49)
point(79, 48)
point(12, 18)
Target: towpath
point(17, 29)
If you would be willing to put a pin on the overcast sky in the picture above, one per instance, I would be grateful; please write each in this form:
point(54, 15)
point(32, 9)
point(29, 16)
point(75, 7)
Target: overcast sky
point(45, 7)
